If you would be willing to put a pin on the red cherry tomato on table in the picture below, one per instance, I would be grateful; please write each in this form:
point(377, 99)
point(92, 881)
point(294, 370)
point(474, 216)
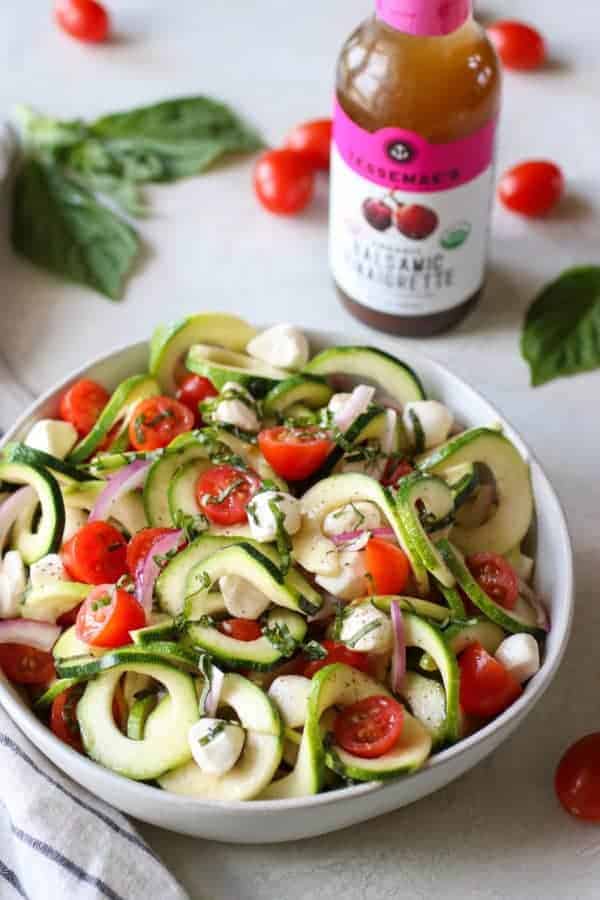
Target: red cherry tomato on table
point(486, 687)
point(157, 421)
point(496, 577)
point(577, 779)
point(370, 727)
point(337, 653)
point(241, 629)
point(140, 546)
point(313, 141)
point(107, 615)
point(387, 565)
point(223, 493)
point(26, 665)
point(295, 453)
point(531, 188)
point(284, 181)
point(63, 717)
point(82, 403)
point(192, 390)
point(96, 554)
point(518, 45)
point(85, 20)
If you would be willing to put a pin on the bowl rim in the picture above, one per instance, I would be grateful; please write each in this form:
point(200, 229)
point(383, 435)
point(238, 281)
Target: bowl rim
point(41, 734)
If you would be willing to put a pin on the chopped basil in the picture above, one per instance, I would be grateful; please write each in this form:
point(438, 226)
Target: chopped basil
point(314, 650)
point(418, 431)
point(212, 733)
point(283, 540)
point(192, 526)
point(216, 499)
point(282, 640)
point(339, 619)
point(366, 629)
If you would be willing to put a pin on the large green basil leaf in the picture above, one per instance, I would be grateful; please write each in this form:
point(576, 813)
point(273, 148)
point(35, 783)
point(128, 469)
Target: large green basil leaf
point(162, 142)
point(561, 335)
point(57, 224)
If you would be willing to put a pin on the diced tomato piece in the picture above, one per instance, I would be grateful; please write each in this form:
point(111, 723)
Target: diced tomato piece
point(156, 421)
point(387, 565)
point(82, 403)
point(192, 390)
point(395, 470)
point(223, 493)
point(337, 653)
point(370, 727)
point(107, 616)
point(295, 453)
point(496, 577)
point(241, 629)
point(487, 688)
point(96, 554)
point(141, 544)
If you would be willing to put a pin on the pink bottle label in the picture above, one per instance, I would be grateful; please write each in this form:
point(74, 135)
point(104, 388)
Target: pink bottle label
point(424, 17)
point(402, 160)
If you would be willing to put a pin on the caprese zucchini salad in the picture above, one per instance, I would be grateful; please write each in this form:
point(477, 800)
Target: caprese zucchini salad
point(249, 573)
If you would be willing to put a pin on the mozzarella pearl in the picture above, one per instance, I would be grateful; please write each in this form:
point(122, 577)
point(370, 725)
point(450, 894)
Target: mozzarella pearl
point(283, 346)
point(362, 515)
point(242, 600)
point(520, 655)
point(53, 437)
point(216, 745)
point(262, 521)
point(237, 413)
point(46, 570)
point(435, 418)
point(379, 639)
point(290, 693)
point(351, 582)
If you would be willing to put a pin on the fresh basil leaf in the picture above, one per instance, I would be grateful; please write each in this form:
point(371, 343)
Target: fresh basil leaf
point(561, 335)
point(162, 142)
point(58, 224)
point(45, 133)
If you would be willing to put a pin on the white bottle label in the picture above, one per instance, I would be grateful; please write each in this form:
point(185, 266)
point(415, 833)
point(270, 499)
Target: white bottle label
point(409, 220)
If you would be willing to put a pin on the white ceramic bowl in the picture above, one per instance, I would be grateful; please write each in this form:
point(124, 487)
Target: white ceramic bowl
point(285, 820)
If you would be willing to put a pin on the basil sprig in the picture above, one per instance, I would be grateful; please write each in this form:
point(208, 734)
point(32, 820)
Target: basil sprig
point(58, 220)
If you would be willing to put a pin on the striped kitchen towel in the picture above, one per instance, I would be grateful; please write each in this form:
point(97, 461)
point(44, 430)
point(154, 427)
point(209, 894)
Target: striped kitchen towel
point(58, 842)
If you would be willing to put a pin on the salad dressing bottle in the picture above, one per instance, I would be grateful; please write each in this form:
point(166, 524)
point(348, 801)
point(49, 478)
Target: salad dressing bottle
point(415, 117)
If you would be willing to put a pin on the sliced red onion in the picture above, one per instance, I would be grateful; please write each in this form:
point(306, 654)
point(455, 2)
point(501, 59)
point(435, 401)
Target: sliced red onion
point(211, 701)
point(356, 404)
point(41, 635)
point(541, 615)
point(11, 508)
point(150, 570)
point(399, 651)
point(388, 534)
point(127, 479)
point(352, 540)
point(389, 434)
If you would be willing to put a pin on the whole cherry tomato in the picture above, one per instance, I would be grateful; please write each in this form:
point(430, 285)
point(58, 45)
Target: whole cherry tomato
point(313, 141)
point(531, 188)
point(577, 779)
point(85, 20)
point(82, 403)
point(284, 181)
point(518, 45)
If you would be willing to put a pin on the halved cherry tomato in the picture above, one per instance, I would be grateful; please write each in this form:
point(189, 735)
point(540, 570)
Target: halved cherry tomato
point(96, 554)
point(85, 20)
point(531, 188)
point(284, 181)
point(192, 390)
point(107, 615)
point(577, 779)
point(395, 470)
point(295, 453)
point(313, 141)
point(370, 727)
point(337, 653)
point(82, 403)
point(241, 629)
point(518, 45)
point(496, 577)
point(141, 544)
point(486, 687)
point(26, 665)
point(223, 493)
point(156, 421)
point(387, 565)
point(69, 618)
point(63, 717)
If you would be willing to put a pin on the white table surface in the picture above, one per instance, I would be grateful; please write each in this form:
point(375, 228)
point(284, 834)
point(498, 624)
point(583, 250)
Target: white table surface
point(498, 832)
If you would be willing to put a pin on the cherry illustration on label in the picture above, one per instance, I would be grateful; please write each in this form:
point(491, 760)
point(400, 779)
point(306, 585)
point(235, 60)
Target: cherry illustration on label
point(415, 222)
point(377, 213)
